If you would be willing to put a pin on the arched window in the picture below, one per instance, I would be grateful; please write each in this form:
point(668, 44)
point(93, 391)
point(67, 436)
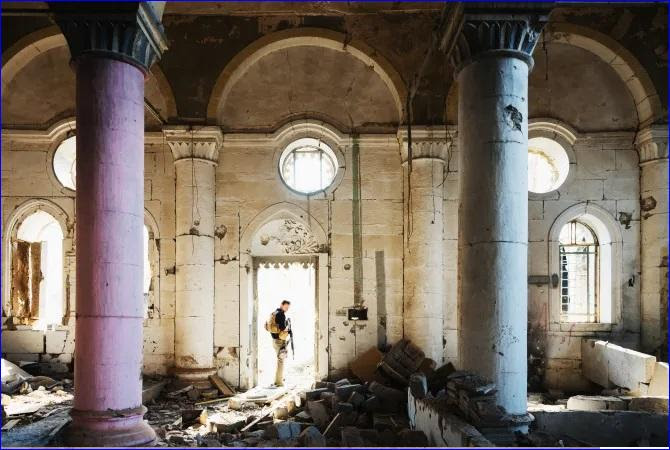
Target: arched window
point(579, 277)
point(585, 248)
point(308, 165)
point(37, 271)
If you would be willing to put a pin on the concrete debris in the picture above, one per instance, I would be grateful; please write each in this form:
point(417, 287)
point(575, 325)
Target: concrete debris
point(283, 430)
point(319, 412)
point(11, 372)
point(401, 361)
point(312, 437)
point(364, 367)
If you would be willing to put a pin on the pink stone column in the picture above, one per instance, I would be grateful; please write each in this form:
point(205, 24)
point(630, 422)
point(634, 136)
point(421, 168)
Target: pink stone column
point(108, 407)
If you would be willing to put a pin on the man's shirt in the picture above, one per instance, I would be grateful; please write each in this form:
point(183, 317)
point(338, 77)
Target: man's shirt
point(280, 320)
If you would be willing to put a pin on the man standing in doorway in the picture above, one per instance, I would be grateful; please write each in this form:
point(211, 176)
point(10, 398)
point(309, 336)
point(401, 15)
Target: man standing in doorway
point(280, 329)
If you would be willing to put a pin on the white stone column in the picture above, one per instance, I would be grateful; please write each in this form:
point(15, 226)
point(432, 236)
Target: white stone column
point(492, 57)
point(423, 296)
point(196, 154)
point(652, 144)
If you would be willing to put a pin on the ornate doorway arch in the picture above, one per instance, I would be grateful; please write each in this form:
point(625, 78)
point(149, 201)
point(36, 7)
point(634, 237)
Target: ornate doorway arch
point(280, 231)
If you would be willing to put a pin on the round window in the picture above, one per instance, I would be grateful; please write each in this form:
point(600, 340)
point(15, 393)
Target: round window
point(308, 165)
point(548, 165)
point(64, 162)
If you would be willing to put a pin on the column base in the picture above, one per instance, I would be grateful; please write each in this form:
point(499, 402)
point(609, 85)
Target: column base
point(519, 422)
point(197, 377)
point(119, 428)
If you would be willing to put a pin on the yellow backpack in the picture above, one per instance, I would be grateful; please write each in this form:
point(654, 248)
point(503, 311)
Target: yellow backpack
point(271, 326)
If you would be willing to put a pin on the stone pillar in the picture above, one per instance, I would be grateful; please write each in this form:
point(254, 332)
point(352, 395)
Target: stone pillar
point(423, 296)
point(652, 144)
point(196, 154)
point(493, 59)
point(110, 70)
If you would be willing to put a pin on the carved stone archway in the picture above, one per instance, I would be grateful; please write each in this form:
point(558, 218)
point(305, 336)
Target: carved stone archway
point(283, 230)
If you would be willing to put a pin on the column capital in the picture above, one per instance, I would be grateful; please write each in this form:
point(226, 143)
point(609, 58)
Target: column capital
point(473, 31)
point(427, 143)
point(194, 143)
point(652, 143)
point(131, 32)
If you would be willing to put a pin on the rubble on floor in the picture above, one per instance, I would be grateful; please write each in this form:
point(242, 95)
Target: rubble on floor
point(352, 412)
point(35, 404)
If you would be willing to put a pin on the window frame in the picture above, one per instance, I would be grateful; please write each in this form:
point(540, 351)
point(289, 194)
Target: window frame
point(591, 272)
point(19, 215)
point(608, 235)
point(318, 145)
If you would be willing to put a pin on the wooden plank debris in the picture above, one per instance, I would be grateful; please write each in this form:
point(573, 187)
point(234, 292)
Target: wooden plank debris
point(221, 385)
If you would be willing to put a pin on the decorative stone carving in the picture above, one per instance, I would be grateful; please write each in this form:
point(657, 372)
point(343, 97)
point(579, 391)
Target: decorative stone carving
point(131, 32)
point(652, 143)
point(202, 143)
point(292, 237)
point(427, 143)
point(473, 31)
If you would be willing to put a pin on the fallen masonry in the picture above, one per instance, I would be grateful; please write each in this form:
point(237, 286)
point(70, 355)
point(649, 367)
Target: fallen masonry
point(404, 401)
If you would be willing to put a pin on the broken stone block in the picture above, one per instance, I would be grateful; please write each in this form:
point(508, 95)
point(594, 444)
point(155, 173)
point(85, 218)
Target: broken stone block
point(291, 407)
point(418, 384)
point(659, 381)
point(365, 365)
point(344, 407)
point(595, 403)
point(221, 423)
point(372, 404)
point(391, 399)
point(235, 403)
point(325, 384)
point(283, 430)
point(438, 379)
point(351, 437)
point(658, 405)
point(317, 409)
point(327, 397)
point(412, 438)
point(342, 382)
point(312, 437)
point(357, 399)
point(304, 416)
point(281, 413)
point(315, 394)
point(346, 390)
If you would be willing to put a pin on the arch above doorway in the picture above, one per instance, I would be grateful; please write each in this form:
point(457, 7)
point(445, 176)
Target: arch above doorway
point(302, 237)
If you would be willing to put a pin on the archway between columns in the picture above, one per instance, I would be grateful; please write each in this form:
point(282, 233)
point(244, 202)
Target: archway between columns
point(299, 236)
point(318, 37)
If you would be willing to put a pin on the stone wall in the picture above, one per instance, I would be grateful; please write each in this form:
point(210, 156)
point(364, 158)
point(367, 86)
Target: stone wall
point(28, 183)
